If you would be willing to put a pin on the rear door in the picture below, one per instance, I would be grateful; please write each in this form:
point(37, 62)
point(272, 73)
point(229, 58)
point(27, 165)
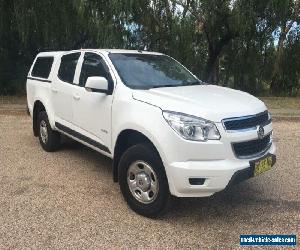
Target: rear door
point(62, 89)
point(91, 110)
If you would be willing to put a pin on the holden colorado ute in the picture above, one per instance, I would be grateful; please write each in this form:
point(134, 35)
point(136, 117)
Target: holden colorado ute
point(168, 133)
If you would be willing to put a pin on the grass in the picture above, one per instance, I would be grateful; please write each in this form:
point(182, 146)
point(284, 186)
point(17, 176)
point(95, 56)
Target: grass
point(283, 106)
point(282, 102)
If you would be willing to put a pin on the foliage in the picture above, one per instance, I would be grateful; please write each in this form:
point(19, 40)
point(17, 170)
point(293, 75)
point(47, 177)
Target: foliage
point(251, 45)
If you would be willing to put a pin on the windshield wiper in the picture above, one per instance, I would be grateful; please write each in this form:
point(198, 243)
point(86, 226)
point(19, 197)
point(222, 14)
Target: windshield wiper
point(192, 83)
point(164, 86)
point(176, 85)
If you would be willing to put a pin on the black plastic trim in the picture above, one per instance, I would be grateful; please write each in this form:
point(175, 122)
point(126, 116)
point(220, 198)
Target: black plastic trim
point(82, 137)
point(240, 175)
point(98, 90)
point(37, 79)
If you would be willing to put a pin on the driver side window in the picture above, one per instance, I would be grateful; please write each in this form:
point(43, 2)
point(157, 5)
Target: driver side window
point(93, 65)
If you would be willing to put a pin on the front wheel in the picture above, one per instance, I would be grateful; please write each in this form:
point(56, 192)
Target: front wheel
point(143, 181)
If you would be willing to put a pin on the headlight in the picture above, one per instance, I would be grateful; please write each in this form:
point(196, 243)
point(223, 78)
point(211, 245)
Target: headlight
point(192, 128)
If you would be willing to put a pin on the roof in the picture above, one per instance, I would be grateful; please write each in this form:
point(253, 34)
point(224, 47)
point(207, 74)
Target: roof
point(128, 51)
point(51, 53)
point(58, 53)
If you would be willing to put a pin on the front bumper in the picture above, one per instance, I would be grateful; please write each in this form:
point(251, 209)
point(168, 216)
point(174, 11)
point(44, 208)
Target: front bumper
point(218, 174)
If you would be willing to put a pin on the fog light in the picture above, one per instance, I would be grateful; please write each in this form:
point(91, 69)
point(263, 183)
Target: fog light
point(197, 181)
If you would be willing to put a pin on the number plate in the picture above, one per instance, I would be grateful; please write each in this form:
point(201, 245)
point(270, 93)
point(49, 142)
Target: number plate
point(262, 165)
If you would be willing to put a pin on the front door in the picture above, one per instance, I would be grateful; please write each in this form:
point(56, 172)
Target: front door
point(91, 110)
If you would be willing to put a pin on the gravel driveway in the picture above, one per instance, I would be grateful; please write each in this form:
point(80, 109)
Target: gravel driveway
point(67, 199)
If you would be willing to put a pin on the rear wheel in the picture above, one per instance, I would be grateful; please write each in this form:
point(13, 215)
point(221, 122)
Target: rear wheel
point(143, 181)
point(49, 139)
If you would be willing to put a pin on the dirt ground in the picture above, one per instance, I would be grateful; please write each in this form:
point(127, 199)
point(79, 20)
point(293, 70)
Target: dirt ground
point(67, 199)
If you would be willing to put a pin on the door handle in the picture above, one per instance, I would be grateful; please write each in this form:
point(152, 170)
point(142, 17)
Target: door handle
point(76, 97)
point(54, 90)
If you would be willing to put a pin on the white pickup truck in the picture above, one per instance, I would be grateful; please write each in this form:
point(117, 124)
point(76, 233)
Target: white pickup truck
point(168, 133)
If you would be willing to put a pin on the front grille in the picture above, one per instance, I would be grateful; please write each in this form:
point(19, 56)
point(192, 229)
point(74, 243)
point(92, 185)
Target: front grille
point(251, 148)
point(246, 122)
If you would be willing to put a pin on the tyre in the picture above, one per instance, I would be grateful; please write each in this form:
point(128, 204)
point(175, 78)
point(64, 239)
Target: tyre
point(143, 181)
point(49, 139)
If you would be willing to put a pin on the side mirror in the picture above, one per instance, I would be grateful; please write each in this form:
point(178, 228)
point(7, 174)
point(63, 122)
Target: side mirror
point(97, 84)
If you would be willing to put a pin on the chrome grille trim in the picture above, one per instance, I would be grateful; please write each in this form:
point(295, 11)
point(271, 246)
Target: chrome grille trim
point(251, 120)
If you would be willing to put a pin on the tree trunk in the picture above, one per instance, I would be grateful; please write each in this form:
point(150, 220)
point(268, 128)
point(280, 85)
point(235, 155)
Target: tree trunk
point(275, 86)
point(275, 81)
point(215, 48)
point(214, 52)
point(212, 67)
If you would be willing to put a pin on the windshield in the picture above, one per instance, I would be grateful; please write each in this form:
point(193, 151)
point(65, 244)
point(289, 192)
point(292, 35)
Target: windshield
point(145, 71)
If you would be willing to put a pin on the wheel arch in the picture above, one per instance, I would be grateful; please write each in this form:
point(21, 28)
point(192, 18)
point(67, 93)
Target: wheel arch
point(125, 140)
point(37, 108)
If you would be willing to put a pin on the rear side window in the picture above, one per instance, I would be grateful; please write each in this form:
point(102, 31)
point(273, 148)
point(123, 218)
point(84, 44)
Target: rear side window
point(67, 67)
point(42, 67)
